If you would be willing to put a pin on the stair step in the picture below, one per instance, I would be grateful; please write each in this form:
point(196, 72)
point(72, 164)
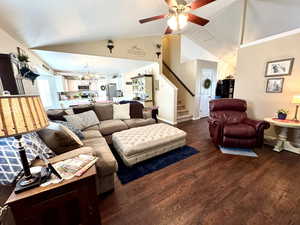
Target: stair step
point(184, 118)
point(181, 112)
point(180, 107)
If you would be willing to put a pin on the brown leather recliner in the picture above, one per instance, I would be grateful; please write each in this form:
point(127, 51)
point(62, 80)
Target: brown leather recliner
point(229, 125)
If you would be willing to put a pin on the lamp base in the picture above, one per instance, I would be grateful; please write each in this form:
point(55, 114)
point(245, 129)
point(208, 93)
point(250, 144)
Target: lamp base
point(27, 183)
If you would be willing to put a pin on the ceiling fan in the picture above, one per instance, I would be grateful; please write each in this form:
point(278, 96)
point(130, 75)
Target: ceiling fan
point(179, 14)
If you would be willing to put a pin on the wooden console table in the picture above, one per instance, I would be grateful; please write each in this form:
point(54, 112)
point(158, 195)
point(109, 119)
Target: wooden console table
point(282, 142)
point(71, 202)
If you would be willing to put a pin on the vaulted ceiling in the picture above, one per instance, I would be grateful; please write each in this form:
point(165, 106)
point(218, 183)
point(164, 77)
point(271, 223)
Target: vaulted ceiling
point(40, 23)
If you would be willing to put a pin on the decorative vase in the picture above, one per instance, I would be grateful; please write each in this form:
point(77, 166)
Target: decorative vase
point(282, 116)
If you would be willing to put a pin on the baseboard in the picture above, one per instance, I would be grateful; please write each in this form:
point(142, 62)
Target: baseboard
point(166, 121)
point(197, 118)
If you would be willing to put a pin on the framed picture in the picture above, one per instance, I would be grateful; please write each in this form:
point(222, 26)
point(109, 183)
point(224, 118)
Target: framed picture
point(279, 67)
point(274, 85)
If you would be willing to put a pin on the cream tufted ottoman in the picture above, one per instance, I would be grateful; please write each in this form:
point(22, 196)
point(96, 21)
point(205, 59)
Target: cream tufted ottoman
point(141, 143)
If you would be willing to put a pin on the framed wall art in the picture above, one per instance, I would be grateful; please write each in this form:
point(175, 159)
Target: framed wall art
point(274, 85)
point(282, 67)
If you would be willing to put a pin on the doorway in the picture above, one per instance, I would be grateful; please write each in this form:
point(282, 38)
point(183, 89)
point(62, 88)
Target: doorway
point(207, 86)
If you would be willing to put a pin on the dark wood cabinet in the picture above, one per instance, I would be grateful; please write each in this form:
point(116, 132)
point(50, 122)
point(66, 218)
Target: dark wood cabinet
point(8, 70)
point(228, 88)
point(72, 202)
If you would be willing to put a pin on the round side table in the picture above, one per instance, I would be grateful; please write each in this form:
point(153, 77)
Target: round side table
point(282, 142)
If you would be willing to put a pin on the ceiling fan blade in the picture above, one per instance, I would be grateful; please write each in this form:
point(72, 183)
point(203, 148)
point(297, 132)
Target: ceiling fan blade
point(152, 18)
point(199, 3)
point(168, 30)
point(197, 20)
point(171, 3)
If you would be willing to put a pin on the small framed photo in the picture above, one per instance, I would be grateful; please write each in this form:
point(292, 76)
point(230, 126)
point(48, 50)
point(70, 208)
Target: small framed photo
point(274, 85)
point(282, 67)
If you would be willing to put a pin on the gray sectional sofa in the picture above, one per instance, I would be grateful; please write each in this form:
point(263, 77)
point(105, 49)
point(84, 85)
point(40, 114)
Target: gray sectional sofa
point(96, 141)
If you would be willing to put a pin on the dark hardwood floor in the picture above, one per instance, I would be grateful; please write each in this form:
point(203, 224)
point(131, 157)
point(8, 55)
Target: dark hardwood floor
point(211, 188)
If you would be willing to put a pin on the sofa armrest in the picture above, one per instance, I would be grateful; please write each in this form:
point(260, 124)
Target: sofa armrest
point(257, 124)
point(147, 114)
point(66, 155)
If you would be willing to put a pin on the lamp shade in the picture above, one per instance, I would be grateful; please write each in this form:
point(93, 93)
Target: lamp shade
point(20, 114)
point(296, 99)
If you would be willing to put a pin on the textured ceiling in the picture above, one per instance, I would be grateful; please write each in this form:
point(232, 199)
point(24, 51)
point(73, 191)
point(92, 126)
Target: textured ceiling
point(41, 23)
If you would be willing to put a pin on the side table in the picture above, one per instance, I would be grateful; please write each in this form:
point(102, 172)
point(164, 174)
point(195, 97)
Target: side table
point(282, 142)
point(71, 202)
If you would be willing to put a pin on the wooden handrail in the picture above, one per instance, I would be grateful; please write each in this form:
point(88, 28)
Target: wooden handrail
point(179, 80)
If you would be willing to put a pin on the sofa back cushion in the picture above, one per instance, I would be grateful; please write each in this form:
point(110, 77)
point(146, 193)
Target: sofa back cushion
point(104, 111)
point(56, 114)
point(82, 108)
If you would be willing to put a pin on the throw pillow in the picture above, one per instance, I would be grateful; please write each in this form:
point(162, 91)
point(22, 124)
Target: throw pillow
point(83, 120)
point(136, 110)
point(78, 132)
point(10, 163)
point(59, 138)
point(121, 112)
point(81, 109)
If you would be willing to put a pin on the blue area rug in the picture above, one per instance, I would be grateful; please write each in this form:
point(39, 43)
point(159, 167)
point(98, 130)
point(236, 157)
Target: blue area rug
point(239, 151)
point(128, 174)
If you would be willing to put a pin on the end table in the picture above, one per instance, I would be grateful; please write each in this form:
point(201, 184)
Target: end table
point(71, 202)
point(282, 142)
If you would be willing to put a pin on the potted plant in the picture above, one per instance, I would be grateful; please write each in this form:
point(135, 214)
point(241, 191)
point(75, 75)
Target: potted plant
point(282, 114)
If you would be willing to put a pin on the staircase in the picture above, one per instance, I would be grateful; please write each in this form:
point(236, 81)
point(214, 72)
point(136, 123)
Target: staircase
point(182, 113)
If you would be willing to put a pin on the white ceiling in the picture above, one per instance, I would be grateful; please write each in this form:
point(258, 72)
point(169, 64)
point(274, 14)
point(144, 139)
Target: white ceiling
point(39, 22)
point(81, 64)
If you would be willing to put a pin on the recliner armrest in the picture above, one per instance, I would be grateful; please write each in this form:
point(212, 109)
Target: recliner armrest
point(257, 124)
point(215, 122)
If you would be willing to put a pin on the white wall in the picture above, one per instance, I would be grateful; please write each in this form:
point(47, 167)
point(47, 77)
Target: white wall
point(192, 51)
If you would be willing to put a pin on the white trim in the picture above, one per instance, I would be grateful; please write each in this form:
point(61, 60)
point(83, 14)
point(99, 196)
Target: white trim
point(270, 38)
point(167, 121)
point(197, 118)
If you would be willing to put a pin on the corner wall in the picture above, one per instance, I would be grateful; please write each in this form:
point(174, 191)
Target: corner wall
point(251, 83)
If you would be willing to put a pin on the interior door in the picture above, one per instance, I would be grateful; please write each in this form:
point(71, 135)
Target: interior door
point(206, 91)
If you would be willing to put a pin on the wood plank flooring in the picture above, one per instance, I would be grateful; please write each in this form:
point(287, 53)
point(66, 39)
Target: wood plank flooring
point(211, 188)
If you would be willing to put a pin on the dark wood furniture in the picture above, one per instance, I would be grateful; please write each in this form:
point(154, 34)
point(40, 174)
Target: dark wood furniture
point(8, 71)
point(71, 202)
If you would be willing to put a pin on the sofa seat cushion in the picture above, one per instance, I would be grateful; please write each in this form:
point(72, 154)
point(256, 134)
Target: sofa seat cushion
point(139, 122)
point(92, 133)
point(239, 130)
point(106, 163)
point(107, 127)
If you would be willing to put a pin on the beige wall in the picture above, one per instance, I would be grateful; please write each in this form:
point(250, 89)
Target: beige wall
point(135, 48)
point(251, 83)
point(9, 45)
point(186, 71)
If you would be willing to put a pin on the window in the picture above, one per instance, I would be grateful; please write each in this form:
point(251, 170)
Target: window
point(44, 89)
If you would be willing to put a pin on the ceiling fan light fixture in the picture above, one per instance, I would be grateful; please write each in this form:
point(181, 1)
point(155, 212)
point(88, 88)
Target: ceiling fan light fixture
point(178, 22)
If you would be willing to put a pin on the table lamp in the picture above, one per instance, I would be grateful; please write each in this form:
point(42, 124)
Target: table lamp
point(296, 100)
point(21, 114)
